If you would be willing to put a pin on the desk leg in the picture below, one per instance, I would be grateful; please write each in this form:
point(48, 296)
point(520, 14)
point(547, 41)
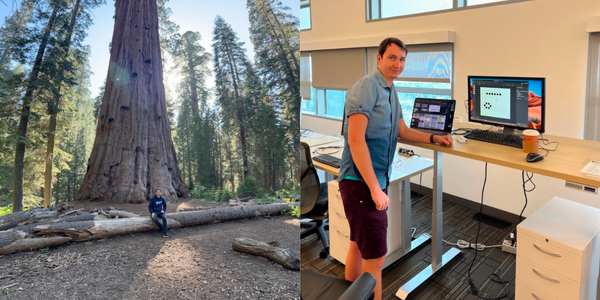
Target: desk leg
point(438, 258)
point(406, 216)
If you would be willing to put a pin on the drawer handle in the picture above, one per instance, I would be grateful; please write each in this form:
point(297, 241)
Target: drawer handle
point(339, 215)
point(549, 279)
point(544, 251)
point(340, 234)
point(535, 296)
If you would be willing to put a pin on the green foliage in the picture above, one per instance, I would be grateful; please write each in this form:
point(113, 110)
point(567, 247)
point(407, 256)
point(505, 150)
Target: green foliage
point(293, 210)
point(249, 187)
point(211, 194)
point(44, 250)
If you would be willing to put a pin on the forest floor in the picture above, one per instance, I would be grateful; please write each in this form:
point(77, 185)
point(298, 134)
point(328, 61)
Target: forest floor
point(198, 262)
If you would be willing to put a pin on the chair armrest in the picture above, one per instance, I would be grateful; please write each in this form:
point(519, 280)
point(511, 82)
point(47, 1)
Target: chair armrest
point(361, 288)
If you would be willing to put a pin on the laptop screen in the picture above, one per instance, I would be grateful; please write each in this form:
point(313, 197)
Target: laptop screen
point(433, 114)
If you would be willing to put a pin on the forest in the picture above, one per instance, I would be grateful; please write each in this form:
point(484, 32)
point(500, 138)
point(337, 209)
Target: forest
point(59, 143)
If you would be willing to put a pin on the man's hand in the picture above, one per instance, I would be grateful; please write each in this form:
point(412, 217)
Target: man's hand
point(380, 198)
point(162, 211)
point(445, 140)
point(153, 215)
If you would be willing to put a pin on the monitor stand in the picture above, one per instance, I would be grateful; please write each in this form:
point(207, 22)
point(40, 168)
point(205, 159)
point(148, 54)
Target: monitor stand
point(509, 130)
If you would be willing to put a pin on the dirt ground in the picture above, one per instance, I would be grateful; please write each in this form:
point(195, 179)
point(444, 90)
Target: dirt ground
point(196, 263)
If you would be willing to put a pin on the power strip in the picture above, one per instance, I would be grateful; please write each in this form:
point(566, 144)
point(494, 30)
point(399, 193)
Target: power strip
point(507, 246)
point(406, 152)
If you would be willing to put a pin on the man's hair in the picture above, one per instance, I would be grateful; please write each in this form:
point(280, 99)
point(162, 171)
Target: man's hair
point(388, 41)
point(158, 190)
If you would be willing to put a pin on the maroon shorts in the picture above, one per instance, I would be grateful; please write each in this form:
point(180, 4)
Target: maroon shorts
point(368, 226)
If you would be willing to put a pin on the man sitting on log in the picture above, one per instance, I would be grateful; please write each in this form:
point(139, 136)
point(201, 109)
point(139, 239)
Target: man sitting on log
point(158, 207)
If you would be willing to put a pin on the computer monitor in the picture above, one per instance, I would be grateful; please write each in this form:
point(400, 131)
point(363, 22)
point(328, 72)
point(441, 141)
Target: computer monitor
point(512, 102)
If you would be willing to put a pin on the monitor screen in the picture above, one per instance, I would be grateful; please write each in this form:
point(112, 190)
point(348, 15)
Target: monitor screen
point(433, 114)
point(513, 102)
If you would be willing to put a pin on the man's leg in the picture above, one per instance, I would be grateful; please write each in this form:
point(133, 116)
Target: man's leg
point(374, 266)
point(155, 219)
point(353, 262)
point(164, 222)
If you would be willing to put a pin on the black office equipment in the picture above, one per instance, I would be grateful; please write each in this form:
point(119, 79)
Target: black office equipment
point(512, 102)
point(433, 115)
point(533, 157)
point(496, 137)
point(328, 160)
point(313, 200)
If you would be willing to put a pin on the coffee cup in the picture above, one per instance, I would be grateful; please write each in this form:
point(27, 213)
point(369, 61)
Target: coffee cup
point(530, 141)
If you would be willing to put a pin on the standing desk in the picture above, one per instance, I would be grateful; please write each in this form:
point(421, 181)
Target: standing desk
point(399, 189)
point(565, 163)
point(314, 139)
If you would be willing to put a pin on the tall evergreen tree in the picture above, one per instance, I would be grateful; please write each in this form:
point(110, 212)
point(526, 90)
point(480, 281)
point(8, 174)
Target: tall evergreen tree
point(133, 152)
point(276, 40)
point(229, 63)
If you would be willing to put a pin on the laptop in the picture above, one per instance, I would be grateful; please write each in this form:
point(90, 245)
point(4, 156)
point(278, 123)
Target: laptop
point(433, 115)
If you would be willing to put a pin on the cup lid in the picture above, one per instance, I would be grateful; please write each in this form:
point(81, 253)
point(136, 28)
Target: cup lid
point(531, 132)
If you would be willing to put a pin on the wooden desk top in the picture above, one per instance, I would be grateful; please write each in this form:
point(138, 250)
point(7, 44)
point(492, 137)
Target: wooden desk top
point(565, 163)
point(314, 139)
point(402, 168)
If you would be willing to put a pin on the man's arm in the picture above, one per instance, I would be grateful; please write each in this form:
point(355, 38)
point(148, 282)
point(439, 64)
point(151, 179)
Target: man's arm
point(164, 205)
point(150, 205)
point(412, 135)
point(357, 127)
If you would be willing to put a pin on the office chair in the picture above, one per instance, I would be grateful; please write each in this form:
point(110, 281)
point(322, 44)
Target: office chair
point(319, 286)
point(313, 200)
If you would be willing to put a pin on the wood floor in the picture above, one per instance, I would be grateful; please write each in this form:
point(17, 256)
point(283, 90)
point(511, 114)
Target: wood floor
point(449, 283)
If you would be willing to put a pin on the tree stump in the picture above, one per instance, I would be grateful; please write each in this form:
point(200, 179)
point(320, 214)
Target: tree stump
point(286, 257)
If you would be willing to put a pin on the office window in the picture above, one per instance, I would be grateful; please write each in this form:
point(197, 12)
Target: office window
point(304, 14)
point(334, 103)
point(306, 91)
point(592, 123)
point(381, 9)
point(309, 105)
point(427, 74)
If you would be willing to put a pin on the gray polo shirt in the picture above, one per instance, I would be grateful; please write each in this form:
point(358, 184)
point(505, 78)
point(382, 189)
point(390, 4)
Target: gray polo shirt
point(372, 97)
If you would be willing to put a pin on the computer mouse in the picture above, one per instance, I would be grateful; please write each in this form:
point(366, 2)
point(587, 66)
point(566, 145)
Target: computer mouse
point(533, 157)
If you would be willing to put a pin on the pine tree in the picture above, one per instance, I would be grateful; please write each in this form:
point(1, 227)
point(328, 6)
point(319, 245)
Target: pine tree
point(229, 63)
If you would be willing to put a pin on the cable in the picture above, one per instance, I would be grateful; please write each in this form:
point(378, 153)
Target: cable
point(546, 142)
point(475, 289)
point(462, 244)
point(339, 148)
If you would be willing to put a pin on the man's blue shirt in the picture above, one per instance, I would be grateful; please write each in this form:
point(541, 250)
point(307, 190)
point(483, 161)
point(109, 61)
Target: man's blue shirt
point(372, 97)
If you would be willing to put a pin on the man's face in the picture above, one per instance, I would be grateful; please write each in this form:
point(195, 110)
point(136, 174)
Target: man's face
point(158, 193)
point(392, 63)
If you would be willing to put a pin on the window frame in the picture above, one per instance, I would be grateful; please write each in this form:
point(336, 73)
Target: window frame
point(457, 5)
point(305, 4)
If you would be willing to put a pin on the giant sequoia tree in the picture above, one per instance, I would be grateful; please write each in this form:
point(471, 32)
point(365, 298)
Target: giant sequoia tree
point(133, 153)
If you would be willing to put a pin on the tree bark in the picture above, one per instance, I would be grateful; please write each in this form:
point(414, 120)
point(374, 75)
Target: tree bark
point(25, 217)
point(54, 111)
point(133, 153)
point(15, 241)
point(25, 111)
point(286, 257)
point(91, 230)
point(122, 214)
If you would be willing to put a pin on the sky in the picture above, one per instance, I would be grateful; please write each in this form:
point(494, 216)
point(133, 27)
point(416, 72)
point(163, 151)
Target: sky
point(194, 15)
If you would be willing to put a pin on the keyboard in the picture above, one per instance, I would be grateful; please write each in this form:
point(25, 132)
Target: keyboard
point(328, 160)
point(496, 137)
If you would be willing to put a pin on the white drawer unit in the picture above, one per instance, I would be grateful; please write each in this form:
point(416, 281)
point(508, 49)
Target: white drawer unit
point(526, 292)
point(339, 229)
point(558, 252)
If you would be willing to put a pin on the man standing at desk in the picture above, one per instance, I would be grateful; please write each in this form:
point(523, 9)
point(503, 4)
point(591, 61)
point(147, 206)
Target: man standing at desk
point(374, 123)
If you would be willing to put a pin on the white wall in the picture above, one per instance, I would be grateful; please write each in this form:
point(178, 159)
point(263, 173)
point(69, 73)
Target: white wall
point(539, 38)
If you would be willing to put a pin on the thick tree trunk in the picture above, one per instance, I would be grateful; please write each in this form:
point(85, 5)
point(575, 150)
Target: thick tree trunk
point(53, 108)
point(25, 217)
point(133, 153)
point(15, 241)
point(25, 111)
point(91, 230)
point(286, 257)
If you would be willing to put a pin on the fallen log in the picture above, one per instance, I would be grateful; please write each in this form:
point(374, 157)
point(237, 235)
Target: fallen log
point(194, 208)
point(90, 230)
point(286, 257)
point(12, 241)
point(244, 199)
point(28, 228)
point(25, 217)
point(72, 212)
point(122, 214)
